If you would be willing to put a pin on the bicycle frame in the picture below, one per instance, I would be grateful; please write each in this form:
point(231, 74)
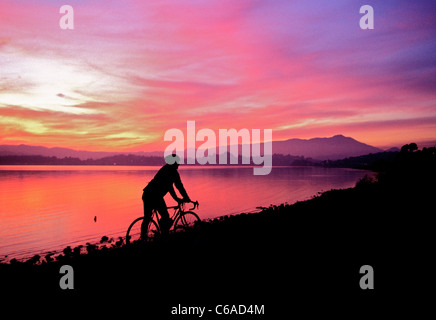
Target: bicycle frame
point(177, 212)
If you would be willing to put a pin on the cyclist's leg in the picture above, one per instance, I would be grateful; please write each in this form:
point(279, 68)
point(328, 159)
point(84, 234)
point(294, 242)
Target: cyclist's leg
point(148, 211)
point(165, 221)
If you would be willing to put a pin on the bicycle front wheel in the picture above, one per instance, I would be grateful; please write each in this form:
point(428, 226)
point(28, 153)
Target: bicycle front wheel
point(134, 232)
point(186, 220)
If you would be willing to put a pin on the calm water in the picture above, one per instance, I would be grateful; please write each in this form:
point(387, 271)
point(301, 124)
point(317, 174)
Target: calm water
point(46, 208)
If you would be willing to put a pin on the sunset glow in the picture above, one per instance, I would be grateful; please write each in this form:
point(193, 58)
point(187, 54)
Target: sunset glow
point(130, 70)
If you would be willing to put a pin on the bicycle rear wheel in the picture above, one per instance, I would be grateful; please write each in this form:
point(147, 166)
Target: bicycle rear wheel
point(186, 220)
point(134, 232)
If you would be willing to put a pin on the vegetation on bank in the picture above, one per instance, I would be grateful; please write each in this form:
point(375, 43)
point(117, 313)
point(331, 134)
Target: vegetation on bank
point(135, 160)
point(361, 162)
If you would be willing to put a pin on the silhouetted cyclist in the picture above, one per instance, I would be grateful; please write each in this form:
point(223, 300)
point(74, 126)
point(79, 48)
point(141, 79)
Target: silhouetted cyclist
point(154, 192)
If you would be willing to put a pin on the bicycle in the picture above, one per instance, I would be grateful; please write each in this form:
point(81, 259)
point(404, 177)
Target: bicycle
point(181, 221)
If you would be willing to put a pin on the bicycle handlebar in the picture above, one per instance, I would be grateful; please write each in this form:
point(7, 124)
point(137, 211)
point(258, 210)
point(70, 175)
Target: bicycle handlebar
point(196, 205)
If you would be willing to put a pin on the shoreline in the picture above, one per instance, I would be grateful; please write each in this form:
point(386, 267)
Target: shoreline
point(22, 253)
point(313, 249)
point(107, 240)
point(305, 256)
point(108, 243)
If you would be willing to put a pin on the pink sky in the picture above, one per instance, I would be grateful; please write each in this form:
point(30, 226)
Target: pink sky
point(130, 70)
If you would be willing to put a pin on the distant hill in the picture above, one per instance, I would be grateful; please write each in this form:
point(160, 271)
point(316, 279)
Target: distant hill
point(26, 150)
point(333, 148)
point(119, 160)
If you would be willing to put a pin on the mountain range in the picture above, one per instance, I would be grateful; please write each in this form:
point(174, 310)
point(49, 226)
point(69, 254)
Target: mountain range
point(26, 150)
point(332, 148)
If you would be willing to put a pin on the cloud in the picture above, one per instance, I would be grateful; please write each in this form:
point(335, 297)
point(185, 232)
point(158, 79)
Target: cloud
point(131, 70)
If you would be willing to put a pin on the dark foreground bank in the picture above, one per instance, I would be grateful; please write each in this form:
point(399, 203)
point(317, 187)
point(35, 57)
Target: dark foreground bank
point(304, 257)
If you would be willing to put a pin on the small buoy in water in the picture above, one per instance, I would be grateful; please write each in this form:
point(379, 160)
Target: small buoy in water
point(95, 219)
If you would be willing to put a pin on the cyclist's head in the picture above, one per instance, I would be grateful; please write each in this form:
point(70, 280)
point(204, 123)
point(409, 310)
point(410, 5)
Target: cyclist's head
point(173, 160)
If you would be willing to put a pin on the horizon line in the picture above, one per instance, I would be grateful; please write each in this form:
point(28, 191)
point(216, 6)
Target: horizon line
point(426, 143)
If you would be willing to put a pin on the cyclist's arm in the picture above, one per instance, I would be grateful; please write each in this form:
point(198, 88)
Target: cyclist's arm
point(179, 185)
point(173, 194)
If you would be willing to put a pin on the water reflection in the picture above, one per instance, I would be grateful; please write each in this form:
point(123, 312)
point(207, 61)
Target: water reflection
point(47, 207)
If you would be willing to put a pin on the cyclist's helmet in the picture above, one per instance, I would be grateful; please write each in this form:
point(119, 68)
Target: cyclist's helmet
point(172, 159)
